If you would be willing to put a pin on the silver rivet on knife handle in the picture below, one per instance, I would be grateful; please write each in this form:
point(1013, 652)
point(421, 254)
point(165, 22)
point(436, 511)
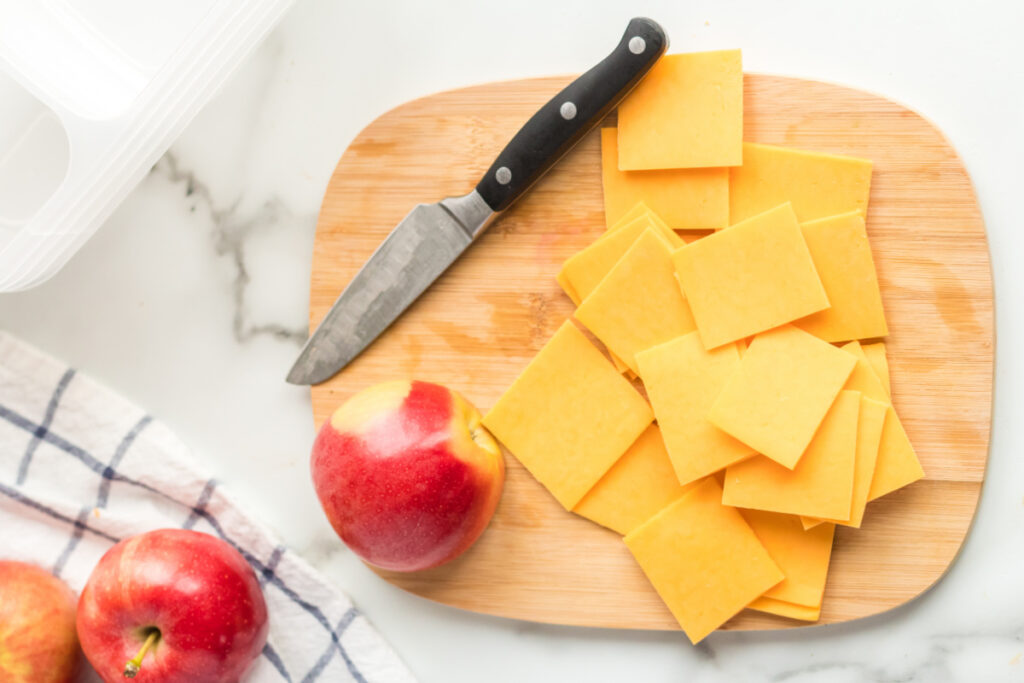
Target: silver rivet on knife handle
point(637, 45)
point(503, 175)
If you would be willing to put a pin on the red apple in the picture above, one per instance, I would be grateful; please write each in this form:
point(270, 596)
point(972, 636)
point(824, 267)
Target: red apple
point(172, 605)
point(407, 475)
point(37, 626)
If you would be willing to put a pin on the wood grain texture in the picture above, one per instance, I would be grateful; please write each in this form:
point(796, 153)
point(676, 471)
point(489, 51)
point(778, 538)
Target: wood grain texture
point(482, 322)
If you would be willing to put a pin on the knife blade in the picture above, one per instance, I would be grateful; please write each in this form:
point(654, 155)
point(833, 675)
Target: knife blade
point(432, 236)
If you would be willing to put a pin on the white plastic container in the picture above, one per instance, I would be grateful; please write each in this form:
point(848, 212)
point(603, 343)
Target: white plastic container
point(92, 92)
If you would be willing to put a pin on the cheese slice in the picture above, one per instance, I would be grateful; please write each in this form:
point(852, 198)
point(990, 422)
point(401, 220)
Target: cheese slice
point(563, 281)
point(569, 416)
point(682, 381)
point(570, 291)
point(897, 464)
point(703, 559)
point(686, 199)
point(752, 277)
point(584, 270)
point(842, 256)
point(638, 304)
point(869, 437)
point(821, 484)
point(786, 382)
point(863, 377)
point(648, 220)
point(818, 185)
point(637, 486)
point(639, 209)
point(687, 112)
point(786, 609)
point(802, 555)
point(879, 363)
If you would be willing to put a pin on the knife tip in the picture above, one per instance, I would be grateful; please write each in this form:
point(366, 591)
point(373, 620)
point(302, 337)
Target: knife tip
point(308, 371)
point(296, 378)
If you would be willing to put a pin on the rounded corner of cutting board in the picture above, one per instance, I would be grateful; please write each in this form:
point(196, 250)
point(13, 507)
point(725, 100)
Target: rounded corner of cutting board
point(479, 326)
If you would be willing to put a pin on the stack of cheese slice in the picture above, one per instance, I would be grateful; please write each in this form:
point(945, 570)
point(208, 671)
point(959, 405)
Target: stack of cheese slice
point(736, 283)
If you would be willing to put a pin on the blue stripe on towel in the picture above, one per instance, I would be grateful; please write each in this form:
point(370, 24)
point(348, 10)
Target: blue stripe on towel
point(122, 450)
point(20, 497)
point(44, 426)
point(335, 646)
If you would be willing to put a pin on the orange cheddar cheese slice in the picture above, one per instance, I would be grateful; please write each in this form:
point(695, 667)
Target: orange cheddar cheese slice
point(786, 609)
point(818, 185)
point(879, 363)
point(785, 384)
point(702, 559)
point(686, 199)
point(897, 464)
point(649, 220)
point(682, 381)
point(869, 437)
point(842, 256)
point(569, 416)
point(639, 209)
point(637, 486)
point(821, 484)
point(687, 112)
point(802, 555)
point(583, 270)
point(638, 304)
point(751, 277)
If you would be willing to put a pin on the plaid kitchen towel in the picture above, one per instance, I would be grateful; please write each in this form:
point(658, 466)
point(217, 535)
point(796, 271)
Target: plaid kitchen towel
point(81, 468)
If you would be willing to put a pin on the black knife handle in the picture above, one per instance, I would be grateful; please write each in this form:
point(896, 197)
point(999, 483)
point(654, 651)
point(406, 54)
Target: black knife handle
point(565, 119)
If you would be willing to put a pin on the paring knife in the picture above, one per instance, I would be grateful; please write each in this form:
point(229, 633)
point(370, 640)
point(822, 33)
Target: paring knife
point(432, 236)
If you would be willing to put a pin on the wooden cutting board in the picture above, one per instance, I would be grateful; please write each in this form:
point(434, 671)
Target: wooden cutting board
point(482, 322)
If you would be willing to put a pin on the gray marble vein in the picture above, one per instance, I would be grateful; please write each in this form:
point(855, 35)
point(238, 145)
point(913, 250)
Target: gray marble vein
point(230, 232)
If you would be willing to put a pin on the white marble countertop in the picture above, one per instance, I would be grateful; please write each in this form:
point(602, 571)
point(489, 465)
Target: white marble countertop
point(192, 299)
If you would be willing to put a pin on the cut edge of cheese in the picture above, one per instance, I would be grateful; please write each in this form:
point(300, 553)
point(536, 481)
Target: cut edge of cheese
point(639, 209)
point(898, 464)
point(782, 608)
point(879, 363)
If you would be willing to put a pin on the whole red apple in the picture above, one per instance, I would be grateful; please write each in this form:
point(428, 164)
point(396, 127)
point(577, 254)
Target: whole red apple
point(37, 626)
point(172, 605)
point(407, 475)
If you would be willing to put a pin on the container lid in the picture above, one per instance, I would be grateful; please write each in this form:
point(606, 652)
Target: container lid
point(92, 93)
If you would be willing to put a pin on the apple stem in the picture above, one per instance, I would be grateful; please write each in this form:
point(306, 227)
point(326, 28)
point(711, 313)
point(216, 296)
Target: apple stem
point(131, 669)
